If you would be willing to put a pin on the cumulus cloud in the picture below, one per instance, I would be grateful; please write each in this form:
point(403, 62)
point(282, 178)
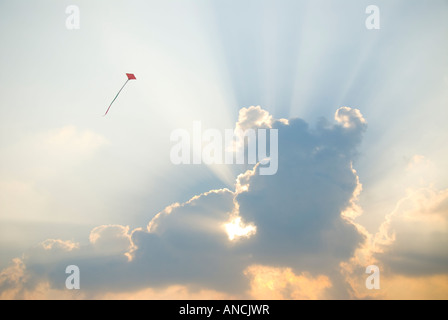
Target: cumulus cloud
point(297, 212)
point(414, 237)
point(188, 244)
point(410, 245)
point(254, 117)
point(111, 239)
point(350, 118)
point(289, 227)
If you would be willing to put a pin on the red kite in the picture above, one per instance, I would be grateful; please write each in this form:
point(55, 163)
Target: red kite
point(130, 76)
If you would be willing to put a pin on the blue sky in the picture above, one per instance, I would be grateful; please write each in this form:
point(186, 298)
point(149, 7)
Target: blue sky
point(66, 170)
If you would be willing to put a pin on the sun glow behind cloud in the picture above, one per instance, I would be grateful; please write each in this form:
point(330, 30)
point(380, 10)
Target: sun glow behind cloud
point(236, 229)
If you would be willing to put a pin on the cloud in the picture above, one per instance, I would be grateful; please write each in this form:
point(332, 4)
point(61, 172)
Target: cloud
point(111, 239)
point(269, 283)
point(288, 226)
point(188, 244)
point(414, 237)
point(254, 117)
point(410, 245)
point(297, 212)
point(350, 118)
point(12, 278)
point(15, 285)
point(294, 227)
point(430, 287)
point(52, 244)
point(170, 293)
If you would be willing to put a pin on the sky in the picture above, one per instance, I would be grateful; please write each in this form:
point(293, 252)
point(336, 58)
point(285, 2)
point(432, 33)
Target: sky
point(361, 119)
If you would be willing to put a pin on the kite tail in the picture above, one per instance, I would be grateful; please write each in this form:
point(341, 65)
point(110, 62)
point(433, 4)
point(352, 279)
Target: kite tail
point(116, 97)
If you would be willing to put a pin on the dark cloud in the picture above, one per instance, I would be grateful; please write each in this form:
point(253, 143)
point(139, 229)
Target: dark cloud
point(297, 214)
point(298, 211)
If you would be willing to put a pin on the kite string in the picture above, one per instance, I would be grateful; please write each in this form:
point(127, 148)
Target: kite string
point(116, 97)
